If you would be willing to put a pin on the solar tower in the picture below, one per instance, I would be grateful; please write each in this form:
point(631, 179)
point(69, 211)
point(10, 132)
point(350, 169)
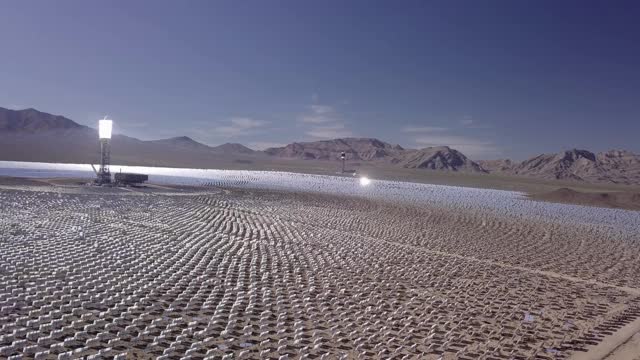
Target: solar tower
point(104, 133)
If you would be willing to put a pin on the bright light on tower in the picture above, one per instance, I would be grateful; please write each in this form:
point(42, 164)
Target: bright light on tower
point(104, 128)
point(364, 181)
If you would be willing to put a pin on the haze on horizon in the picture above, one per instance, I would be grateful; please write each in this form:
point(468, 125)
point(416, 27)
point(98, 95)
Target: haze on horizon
point(492, 79)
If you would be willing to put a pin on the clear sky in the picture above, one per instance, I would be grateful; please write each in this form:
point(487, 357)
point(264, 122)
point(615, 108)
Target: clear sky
point(490, 78)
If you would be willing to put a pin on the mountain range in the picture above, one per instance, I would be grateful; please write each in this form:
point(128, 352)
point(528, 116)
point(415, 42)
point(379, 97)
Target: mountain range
point(378, 152)
point(613, 166)
point(32, 135)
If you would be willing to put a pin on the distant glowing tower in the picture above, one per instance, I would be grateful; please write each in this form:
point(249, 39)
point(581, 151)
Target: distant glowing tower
point(104, 133)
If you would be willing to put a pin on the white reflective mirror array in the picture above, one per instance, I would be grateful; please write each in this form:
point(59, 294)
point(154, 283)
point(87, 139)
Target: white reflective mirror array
point(234, 270)
point(508, 203)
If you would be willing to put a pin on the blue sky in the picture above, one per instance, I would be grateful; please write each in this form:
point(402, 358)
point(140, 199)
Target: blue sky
point(491, 78)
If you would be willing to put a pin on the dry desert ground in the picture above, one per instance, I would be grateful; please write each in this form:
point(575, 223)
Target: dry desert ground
point(234, 273)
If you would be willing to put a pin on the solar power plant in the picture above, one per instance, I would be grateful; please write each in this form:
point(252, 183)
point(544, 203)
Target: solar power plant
point(252, 266)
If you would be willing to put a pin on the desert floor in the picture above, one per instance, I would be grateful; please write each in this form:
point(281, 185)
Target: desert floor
point(215, 272)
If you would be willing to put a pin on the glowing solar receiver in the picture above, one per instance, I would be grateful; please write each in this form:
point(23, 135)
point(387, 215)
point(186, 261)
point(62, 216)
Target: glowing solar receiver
point(104, 128)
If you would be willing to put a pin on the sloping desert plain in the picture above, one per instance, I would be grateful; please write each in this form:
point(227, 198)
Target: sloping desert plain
point(266, 265)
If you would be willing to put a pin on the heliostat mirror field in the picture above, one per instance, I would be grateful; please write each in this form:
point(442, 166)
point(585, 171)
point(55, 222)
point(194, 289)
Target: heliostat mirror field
point(271, 265)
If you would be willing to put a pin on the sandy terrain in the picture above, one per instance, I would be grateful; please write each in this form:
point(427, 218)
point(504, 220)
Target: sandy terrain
point(615, 200)
point(630, 350)
point(213, 272)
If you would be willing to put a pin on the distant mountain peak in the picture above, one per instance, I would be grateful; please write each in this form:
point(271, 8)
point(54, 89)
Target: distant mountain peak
point(440, 158)
point(34, 121)
point(233, 148)
point(439, 148)
point(574, 154)
point(183, 142)
point(183, 138)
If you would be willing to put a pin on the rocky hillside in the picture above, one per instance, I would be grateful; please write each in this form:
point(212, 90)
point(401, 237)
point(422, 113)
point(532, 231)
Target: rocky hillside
point(359, 149)
point(439, 158)
point(571, 164)
point(622, 166)
point(497, 166)
point(614, 166)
